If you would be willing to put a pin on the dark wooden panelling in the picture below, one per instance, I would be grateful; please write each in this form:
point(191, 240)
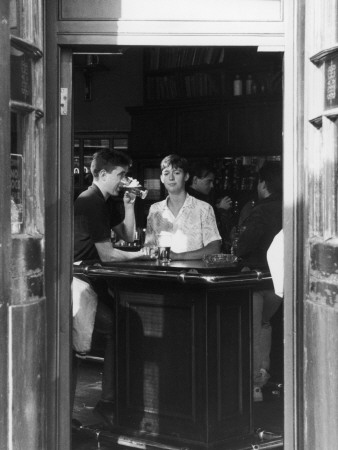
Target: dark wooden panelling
point(183, 361)
point(154, 132)
point(229, 363)
point(245, 127)
point(256, 128)
point(201, 131)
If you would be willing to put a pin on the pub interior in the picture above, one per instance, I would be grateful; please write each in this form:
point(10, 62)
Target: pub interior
point(182, 366)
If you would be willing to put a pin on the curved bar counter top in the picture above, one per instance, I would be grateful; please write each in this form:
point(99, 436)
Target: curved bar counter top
point(183, 351)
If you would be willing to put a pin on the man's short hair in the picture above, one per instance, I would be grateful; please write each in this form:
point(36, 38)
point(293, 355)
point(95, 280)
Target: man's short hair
point(176, 162)
point(271, 172)
point(108, 160)
point(201, 169)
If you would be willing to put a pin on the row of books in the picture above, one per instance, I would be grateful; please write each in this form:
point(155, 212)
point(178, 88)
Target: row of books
point(207, 84)
point(170, 58)
point(188, 86)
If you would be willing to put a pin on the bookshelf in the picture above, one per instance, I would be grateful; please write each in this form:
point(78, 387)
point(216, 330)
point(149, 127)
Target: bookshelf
point(190, 106)
point(181, 73)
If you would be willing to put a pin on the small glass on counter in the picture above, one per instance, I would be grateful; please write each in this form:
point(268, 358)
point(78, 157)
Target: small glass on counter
point(150, 251)
point(164, 240)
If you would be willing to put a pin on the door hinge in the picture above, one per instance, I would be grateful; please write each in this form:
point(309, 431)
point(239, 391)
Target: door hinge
point(64, 102)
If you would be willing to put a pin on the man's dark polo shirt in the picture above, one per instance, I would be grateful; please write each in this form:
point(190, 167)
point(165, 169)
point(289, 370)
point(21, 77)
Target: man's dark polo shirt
point(94, 218)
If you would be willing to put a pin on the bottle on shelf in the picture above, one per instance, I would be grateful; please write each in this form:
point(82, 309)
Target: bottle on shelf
point(238, 86)
point(254, 88)
point(248, 85)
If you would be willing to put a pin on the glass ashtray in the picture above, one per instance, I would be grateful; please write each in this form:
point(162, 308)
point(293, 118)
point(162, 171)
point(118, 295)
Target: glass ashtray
point(220, 259)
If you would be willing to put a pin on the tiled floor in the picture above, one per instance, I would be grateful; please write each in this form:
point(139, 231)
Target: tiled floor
point(267, 414)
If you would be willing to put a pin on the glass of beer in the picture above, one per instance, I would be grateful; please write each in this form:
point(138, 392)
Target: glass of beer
point(134, 187)
point(164, 240)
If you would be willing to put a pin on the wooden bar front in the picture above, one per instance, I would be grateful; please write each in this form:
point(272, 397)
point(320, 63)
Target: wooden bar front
point(183, 353)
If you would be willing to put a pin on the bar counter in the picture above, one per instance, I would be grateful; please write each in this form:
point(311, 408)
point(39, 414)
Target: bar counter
point(183, 351)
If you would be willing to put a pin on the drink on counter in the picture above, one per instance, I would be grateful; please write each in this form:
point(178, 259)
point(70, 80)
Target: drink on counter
point(164, 245)
point(134, 187)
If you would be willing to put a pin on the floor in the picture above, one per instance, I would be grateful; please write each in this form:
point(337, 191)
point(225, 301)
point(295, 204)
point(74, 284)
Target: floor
point(268, 415)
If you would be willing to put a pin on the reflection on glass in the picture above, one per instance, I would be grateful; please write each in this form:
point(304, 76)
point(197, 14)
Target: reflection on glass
point(17, 198)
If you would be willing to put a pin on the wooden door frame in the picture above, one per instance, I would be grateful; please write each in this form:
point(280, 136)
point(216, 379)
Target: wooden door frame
point(5, 222)
point(293, 220)
point(59, 242)
point(293, 224)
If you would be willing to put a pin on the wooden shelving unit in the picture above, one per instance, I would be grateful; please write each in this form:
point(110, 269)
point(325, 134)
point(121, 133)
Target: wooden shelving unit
point(179, 73)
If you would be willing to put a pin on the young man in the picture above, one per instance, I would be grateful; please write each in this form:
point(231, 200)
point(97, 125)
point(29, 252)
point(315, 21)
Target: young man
point(259, 229)
point(95, 215)
point(201, 182)
point(190, 221)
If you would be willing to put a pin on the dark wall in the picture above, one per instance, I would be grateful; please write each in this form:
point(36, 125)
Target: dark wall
point(117, 82)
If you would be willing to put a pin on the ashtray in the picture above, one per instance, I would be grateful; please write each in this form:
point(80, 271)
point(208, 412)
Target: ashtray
point(220, 259)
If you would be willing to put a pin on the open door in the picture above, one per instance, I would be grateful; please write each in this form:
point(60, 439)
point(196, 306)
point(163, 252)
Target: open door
point(311, 226)
point(319, 225)
point(22, 297)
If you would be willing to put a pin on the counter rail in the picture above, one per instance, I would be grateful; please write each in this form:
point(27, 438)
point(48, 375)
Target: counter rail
point(189, 276)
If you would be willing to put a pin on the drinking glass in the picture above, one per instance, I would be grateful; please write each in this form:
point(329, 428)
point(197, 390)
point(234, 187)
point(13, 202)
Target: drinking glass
point(164, 240)
point(134, 187)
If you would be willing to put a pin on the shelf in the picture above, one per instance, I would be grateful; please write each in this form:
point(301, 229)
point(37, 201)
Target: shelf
point(172, 74)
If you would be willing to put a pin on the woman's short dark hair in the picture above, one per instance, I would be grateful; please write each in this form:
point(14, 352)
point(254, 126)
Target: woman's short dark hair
point(271, 172)
point(175, 161)
point(108, 160)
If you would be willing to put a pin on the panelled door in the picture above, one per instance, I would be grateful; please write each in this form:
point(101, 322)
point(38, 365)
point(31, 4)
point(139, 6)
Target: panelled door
point(22, 312)
point(319, 170)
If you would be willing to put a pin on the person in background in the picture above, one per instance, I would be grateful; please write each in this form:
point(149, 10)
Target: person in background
point(257, 232)
point(200, 185)
point(190, 221)
point(95, 215)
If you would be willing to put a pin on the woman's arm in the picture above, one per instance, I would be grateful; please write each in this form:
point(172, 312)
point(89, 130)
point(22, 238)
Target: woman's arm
point(212, 248)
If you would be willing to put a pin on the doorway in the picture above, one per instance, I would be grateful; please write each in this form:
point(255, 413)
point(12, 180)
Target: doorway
point(184, 98)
